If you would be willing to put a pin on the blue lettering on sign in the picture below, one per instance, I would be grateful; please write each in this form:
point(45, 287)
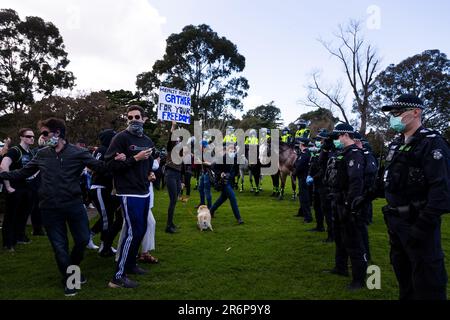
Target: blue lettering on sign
point(176, 99)
point(175, 117)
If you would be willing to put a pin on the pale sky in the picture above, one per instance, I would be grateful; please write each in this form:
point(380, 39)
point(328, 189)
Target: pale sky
point(110, 42)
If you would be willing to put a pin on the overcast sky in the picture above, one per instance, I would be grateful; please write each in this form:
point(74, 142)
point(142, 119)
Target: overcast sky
point(110, 42)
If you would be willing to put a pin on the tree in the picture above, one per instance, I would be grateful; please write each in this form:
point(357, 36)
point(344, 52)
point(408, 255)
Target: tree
point(360, 64)
point(85, 116)
point(197, 60)
point(32, 59)
point(264, 116)
point(426, 75)
point(320, 118)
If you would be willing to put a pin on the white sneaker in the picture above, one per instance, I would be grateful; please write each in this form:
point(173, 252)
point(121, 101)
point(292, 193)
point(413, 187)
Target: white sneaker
point(91, 245)
point(100, 248)
point(91, 206)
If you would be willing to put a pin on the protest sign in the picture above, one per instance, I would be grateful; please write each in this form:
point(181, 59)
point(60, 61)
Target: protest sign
point(174, 104)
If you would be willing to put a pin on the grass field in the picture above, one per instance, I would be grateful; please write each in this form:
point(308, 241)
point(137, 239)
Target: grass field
point(271, 256)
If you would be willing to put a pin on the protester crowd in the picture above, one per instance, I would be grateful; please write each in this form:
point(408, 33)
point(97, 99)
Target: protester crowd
point(335, 173)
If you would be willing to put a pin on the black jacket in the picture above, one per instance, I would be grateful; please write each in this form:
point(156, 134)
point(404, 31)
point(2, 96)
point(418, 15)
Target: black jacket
point(302, 164)
point(103, 179)
point(60, 174)
point(130, 176)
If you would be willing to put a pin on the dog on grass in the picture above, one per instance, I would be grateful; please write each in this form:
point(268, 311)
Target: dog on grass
point(204, 218)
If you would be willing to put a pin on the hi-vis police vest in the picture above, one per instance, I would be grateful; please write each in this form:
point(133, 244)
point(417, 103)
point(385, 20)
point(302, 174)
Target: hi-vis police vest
point(251, 141)
point(230, 138)
point(303, 133)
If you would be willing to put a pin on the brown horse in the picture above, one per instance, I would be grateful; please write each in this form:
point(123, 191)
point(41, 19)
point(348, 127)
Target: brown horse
point(286, 165)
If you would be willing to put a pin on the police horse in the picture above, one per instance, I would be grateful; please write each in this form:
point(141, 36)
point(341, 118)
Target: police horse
point(286, 165)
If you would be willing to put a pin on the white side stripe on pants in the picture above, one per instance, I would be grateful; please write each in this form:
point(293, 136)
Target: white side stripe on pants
point(102, 209)
point(127, 244)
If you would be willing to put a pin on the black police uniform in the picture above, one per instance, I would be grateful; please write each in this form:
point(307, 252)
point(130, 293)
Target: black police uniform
point(417, 189)
point(315, 173)
point(301, 172)
point(347, 184)
point(370, 175)
point(326, 153)
point(370, 180)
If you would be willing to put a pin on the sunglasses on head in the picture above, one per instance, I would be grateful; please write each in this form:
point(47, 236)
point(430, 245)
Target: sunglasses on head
point(137, 117)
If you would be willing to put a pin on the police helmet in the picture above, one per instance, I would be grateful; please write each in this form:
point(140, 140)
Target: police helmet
point(323, 134)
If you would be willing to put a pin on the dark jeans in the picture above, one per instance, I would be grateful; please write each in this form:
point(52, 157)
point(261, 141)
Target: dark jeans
point(205, 190)
point(55, 222)
point(227, 193)
point(419, 267)
point(18, 208)
point(187, 183)
point(173, 182)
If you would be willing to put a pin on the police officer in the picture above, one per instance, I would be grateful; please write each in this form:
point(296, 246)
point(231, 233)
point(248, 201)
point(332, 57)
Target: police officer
point(301, 172)
point(370, 175)
point(315, 178)
point(230, 137)
point(286, 136)
point(254, 168)
point(347, 182)
point(417, 190)
point(302, 131)
point(327, 151)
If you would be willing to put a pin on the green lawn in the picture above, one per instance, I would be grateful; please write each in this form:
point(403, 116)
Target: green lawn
point(271, 256)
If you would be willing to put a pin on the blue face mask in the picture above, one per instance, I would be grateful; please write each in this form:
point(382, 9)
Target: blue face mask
point(52, 142)
point(338, 144)
point(318, 144)
point(397, 124)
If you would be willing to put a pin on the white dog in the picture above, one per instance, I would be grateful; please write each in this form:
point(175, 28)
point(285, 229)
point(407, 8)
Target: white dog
point(204, 218)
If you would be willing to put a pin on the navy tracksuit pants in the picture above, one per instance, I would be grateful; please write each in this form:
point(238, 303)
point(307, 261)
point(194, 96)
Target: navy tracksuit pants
point(135, 213)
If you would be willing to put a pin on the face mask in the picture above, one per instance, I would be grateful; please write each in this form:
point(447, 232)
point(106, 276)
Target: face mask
point(136, 128)
point(318, 144)
point(338, 144)
point(231, 154)
point(52, 142)
point(397, 124)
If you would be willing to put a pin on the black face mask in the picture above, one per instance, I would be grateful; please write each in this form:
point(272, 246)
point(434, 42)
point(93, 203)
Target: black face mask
point(136, 128)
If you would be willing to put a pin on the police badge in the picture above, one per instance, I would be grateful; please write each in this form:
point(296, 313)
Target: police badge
point(351, 163)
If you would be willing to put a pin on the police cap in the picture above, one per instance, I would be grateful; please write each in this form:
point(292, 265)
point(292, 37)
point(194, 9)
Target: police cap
point(405, 101)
